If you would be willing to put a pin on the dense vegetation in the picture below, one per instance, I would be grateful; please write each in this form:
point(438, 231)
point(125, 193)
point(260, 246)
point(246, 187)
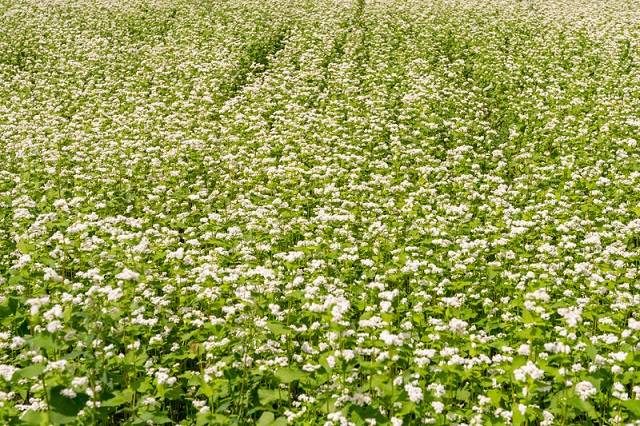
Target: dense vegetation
point(320, 212)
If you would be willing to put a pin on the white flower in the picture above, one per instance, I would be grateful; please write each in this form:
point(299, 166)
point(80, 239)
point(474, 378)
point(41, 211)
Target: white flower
point(128, 275)
point(618, 356)
point(529, 369)
point(80, 382)
point(548, 418)
point(585, 390)
point(148, 400)
point(69, 393)
point(458, 326)
point(163, 377)
point(540, 295)
point(634, 324)
point(524, 350)
point(198, 403)
point(55, 312)
point(6, 371)
point(437, 389)
point(17, 342)
point(331, 361)
point(573, 316)
point(414, 392)
point(391, 339)
point(23, 260)
point(619, 391)
point(56, 365)
point(438, 406)
point(54, 326)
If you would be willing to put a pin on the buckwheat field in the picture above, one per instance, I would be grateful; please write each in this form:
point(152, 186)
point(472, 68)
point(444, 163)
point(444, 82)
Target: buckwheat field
point(316, 212)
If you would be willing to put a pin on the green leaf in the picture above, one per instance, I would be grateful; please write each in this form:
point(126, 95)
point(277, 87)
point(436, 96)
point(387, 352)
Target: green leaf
point(202, 420)
point(632, 405)
point(495, 397)
point(25, 247)
point(266, 419)
point(44, 342)
point(141, 385)
point(9, 307)
point(120, 398)
point(585, 407)
point(65, 405)
point(212, 419)
point(267, 396)
point(35, 418)
point(219, 419)
point(407, 407)
point(30, 371)
point(289, 374)
point(528, 317)
point(381, 382)
point(155, 418)
point(359, 414)
point(61, 419)
point(278, 329)
point(517, 418)
point(463, 395)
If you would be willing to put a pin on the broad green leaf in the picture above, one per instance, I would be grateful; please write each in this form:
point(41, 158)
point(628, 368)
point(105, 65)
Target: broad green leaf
point(517, 417)
point(632, 405)
point(289, 374)
point(9, 307)
point(120, 398)
point(65, 405)
point(267, 396)
point(266, 419)
point(35, 418)
point(155, 418)
point(280, 421)
point(44, 342)
point(219, 419)
point(30, 371)
point(278, 329)
point(61, 419)
point(407, 407)
point(463, 394)
point(495, 397)
point(528, 317)
point(585, 407)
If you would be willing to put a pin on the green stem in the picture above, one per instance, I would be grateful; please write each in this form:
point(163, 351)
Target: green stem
point(46, 398)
